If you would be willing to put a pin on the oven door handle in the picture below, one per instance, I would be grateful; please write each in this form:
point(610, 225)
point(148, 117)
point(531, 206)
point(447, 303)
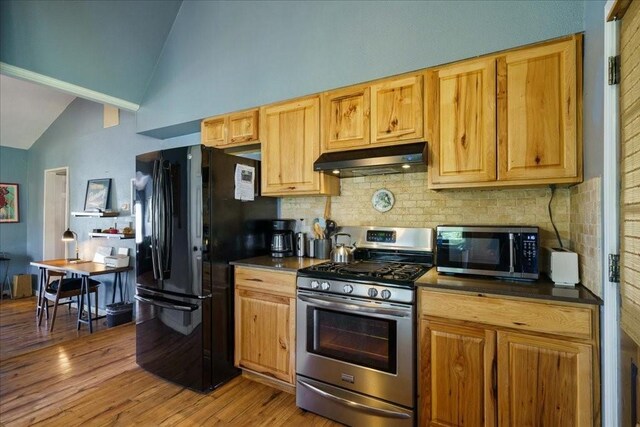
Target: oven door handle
point(355, 405)
point(388, 312)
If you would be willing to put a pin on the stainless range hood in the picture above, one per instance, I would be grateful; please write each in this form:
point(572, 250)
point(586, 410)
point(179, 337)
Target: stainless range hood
point(374, 161)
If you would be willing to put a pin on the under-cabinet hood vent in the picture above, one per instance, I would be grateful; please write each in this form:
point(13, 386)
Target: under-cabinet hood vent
point(374, 161)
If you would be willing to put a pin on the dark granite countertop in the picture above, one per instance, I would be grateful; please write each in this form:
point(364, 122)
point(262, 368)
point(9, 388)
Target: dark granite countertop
point(539, 289)
point(281, 264)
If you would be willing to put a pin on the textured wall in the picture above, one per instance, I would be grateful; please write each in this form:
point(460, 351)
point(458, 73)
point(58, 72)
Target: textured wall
point(416, 206)
point(223, 56)
point(586, 232)
point(13, 236)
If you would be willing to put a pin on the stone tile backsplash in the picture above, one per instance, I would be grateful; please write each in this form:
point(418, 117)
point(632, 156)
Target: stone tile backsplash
point(417, 206)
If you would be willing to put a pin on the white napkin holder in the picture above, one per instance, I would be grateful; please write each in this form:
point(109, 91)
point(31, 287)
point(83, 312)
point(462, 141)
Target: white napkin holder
point(116, 261)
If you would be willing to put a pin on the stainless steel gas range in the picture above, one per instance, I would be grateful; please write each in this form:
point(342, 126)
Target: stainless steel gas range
point(355, 350)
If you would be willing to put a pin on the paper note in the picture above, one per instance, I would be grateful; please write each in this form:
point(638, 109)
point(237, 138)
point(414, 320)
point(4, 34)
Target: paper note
point(244, 180)
point(101, 253)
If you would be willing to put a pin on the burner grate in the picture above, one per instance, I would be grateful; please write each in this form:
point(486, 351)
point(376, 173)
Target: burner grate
point(377, 270)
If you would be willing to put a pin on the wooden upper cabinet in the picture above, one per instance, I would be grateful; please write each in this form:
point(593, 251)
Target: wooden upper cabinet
point(231, 129)
point(397, 110)
point(538, 105)
point(456, 385)
point(290, 144)
point(544, 381)
point(214, 131)
point(461, 122)
point(345, 118)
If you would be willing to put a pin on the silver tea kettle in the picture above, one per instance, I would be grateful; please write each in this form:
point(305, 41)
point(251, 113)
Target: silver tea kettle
point(342, 253)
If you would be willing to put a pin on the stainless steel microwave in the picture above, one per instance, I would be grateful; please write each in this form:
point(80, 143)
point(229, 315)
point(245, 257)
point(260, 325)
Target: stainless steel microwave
point(509, 251)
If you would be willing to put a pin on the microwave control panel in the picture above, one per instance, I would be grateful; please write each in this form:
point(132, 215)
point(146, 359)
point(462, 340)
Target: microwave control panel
point(529, 252)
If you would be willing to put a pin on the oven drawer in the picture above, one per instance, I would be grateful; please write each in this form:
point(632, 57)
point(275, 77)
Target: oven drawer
point(544, 317)
point(263, 280)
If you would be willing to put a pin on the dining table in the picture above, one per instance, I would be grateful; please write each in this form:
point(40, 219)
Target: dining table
point(84, 270)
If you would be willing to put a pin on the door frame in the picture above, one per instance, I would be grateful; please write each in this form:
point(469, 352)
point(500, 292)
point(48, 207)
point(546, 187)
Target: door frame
point(610, 341)
point(45, 218)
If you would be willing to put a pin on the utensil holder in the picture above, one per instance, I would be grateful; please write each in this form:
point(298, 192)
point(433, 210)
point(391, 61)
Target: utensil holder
point(322, 248)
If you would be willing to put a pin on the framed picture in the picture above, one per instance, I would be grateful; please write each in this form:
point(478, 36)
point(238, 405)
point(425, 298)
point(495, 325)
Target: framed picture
point(9, 210)
point(97, 194)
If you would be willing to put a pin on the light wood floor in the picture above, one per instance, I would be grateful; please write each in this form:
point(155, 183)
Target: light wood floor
point(94, 379)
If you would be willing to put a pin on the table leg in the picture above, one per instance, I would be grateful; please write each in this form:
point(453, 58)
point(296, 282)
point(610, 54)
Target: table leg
point(40, 290)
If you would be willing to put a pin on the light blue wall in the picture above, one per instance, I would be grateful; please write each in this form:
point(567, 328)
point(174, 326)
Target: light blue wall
point(78, 140)
point(593, 101)
point(113, 45)
point(13, 236)
point(223, 56)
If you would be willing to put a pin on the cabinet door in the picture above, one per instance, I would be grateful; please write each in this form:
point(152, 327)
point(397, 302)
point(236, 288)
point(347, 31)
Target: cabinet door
point(457, 385)
point(544, 381)
point(214, 131)
point(461, 122)
point(538, 109)
point(397, 110)
point(243, 127)
point(290, 144)
point(345, 118)
point(265, 334)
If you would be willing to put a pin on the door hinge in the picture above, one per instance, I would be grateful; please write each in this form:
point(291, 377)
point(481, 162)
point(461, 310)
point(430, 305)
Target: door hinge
point(614, 70)
point(614, 268)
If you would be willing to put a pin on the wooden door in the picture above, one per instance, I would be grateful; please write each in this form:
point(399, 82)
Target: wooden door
point(345, 118)
point(630, 209)
point(397, 110)
point(243, 127)
point(461, 123)
point(265, 326)
point(214, 131)
point(456, 386)
point(544, 381)
point(539, 128)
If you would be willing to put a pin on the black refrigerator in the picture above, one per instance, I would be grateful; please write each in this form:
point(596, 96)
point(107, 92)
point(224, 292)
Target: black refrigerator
point(189, 226)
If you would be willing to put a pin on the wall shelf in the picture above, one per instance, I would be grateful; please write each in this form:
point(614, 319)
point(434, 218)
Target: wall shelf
point(96, 214)
point(112, 235)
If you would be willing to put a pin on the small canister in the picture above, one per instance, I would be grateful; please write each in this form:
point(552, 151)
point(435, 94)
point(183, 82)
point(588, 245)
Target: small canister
point(300, 244)
point(311, 248)
point(322, 248)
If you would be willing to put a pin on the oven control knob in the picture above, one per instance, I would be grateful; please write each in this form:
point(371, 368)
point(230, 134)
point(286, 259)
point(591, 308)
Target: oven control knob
point(315, 284)
point(325, 286)
point(385, 294)
point(372, 292)
point(347, 289)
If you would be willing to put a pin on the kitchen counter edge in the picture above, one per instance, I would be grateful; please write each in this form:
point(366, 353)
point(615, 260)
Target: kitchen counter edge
point(278, 264)
point(542, 289)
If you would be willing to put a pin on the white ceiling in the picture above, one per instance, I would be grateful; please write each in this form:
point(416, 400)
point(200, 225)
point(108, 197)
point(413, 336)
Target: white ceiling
point(27, 110)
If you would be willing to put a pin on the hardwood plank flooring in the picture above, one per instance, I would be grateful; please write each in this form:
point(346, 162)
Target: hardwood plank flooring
point(78, 379)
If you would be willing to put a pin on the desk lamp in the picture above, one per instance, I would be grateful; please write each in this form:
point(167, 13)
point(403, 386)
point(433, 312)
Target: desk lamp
point(71, 236)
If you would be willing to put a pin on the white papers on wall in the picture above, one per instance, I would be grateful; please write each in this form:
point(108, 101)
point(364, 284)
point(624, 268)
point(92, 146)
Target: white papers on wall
point(245, 182)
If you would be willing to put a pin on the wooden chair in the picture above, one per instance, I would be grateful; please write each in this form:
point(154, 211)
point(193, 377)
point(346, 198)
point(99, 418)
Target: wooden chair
point(63, 288)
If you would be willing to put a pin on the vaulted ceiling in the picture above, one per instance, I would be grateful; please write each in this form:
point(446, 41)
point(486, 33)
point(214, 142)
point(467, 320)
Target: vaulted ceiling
point(105, 49)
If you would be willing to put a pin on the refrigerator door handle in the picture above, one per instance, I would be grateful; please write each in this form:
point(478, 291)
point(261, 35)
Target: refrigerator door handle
point(164, 304)
point(154, 221)
point(164, 294)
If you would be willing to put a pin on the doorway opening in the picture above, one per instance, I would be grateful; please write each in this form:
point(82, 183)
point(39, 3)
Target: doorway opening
point(56, 212)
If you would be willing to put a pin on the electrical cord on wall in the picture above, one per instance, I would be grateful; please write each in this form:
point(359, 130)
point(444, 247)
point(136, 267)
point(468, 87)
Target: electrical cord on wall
point(553, 189)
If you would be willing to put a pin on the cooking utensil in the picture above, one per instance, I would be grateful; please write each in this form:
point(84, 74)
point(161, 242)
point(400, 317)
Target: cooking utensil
point(331, 227)
point(327, 208)
point(318, 230)
point(342, 253)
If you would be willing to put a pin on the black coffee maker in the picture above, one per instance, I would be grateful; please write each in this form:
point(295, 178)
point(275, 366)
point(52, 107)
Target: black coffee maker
point(282, 237)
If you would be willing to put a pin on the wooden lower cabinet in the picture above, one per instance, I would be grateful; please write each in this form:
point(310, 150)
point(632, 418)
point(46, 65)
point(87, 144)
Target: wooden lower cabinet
point(265, 323)
point(544, 381)
point(485, 374)
point(457, 375)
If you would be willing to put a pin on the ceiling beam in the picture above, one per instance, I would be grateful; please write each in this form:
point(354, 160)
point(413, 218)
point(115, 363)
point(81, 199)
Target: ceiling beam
point(79, 91)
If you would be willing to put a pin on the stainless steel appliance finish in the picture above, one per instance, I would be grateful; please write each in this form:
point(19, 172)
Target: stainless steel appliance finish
point(355, 345)
point(375, 161)
point(300, 244)
point(282, 239)
point(342, 253)
point(188, 227)
point(500, 251)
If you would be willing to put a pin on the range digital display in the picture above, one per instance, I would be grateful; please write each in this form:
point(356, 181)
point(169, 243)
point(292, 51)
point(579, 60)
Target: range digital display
point(381, 236)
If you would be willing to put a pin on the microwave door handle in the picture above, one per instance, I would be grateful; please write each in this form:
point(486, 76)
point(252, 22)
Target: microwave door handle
point(511, 266)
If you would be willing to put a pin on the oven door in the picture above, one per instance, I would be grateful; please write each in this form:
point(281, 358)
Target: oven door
point(364, 346)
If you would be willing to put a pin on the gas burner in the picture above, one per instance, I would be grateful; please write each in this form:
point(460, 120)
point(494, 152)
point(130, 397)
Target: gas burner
point(392, 271)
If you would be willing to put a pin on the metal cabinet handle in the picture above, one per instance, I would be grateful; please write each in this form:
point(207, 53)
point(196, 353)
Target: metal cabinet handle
point(355, 405)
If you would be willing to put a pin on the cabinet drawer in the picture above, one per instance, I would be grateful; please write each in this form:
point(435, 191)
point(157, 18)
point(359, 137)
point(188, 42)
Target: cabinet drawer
point(263, 280)
point(544, 317)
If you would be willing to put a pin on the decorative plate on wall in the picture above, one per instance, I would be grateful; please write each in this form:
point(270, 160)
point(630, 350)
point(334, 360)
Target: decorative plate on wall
point(382, 200)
